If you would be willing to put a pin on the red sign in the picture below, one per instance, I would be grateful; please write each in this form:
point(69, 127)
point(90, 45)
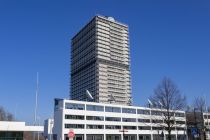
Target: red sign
point(71, 134)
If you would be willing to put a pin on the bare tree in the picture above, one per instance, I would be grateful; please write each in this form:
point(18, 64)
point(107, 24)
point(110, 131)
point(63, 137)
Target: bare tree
point(200, 107)
point(200, 104)
point(5, 116)
point(10, 117)
point(2, 114)
point(167, 97)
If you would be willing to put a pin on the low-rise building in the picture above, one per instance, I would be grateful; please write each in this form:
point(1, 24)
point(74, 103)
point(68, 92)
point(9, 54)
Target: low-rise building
point(97, 121)
point(206, 117)
point(12, 130)
point(48, 126)
point(198, 124)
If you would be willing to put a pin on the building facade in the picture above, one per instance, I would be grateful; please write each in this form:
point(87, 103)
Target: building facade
point(98, 121)
point(206, 118)
point(48, 127)
point(100, 62)
point(198, 124)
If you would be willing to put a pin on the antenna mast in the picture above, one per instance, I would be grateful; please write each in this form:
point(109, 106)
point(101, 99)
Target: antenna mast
point(36, 103)
point(36, 100)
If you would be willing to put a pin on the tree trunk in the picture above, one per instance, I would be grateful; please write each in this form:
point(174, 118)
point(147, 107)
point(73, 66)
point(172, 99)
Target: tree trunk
point(169, 135)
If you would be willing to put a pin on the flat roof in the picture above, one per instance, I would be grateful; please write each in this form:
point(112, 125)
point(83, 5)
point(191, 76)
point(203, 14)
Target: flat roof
point(19, 126)
point(116, 105)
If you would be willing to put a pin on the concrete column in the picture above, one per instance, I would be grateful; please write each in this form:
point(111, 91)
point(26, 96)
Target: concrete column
point(137, 137)
point(151, 135)
point(85, 137)
point(122, 137)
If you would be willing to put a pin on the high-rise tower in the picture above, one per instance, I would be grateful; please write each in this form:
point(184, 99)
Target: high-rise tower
point(100, 62)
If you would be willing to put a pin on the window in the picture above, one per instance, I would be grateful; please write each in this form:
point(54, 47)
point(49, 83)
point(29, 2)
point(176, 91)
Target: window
point(95, 127)
point(145, 112)
point(113, 109)
point(129, 127)
point(157, 121)
point(74, 117)
point(180, 115)
point(129, 110)
point(180, 122)
point(173, 128)
point(96, 118)
point(180, 128)
point(144, 128)
point(113, 137)
point(158, 113)
point(206, 116)
point(76, 126)
point(168, 113)
point(94, 137)
point(115, 119)
point(144, 137)
point(95, 108)
point(128, 119)
point(75, 106)
point(157, 128)
point(144, 120)
point(113, 127)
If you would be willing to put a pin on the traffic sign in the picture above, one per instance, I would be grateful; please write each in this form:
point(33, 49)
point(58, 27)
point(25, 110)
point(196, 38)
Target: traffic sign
point(71, 134)
point(194, 132)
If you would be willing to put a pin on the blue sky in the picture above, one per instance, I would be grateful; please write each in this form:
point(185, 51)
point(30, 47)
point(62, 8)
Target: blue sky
point(167, 38)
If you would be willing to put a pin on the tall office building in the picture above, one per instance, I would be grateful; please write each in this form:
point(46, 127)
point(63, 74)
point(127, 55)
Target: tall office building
point(100, 62)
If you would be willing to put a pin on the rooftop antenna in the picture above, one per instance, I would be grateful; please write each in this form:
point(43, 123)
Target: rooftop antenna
point(88, 94)
point(129, 101)
point(161, 105)
point(111, 98)
point(150, 103)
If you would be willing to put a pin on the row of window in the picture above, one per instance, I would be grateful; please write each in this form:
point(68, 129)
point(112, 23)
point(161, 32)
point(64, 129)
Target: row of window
point(116, 109)
point(90, 26)
point(89, 126)
point(115, 119)
point(206, 116)
point(83, 54)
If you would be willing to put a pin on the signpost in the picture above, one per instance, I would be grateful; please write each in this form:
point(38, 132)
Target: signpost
point(123, 131)
point(71, 134)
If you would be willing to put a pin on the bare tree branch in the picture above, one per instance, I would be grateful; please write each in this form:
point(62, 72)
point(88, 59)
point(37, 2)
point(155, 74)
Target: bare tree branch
point(5, 116)
point(168, 98)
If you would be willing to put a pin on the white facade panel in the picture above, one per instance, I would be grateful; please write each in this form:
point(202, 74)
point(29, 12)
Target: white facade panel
point(77, 114)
